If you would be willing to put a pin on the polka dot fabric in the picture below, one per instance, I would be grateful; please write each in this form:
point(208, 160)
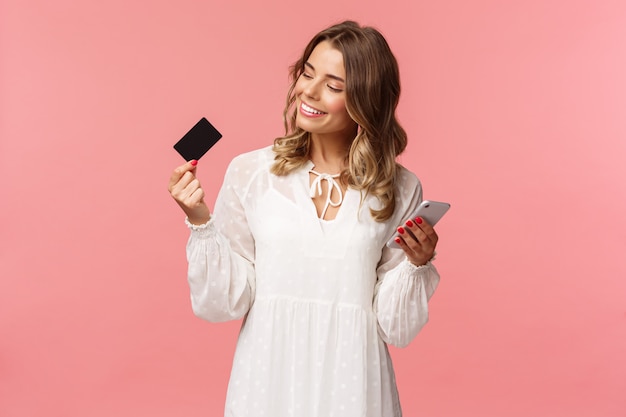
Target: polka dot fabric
point(321, 298)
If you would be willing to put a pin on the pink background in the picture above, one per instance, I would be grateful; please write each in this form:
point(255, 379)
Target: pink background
point(516, 113)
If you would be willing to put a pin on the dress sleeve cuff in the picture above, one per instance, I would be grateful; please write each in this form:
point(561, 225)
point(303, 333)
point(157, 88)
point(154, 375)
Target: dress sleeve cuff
point(410, 267)
point(201, 230)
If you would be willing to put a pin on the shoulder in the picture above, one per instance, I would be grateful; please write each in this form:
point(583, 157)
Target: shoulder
point(407, 183)
point(252, 160)
point(248, 167)
point(408, 194)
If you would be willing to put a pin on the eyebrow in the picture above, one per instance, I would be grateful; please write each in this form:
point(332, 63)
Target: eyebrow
point(334, 77)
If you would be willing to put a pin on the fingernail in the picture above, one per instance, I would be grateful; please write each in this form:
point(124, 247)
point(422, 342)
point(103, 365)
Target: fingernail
point(194, 162)
point(401, 230)
point(418, 220)
point(409, 223)
point(397, 240)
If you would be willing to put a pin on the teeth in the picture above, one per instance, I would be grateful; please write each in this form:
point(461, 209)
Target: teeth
point(311, 109)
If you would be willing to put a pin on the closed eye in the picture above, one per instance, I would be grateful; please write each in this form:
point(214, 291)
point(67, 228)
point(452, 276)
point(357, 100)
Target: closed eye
point(334, 89)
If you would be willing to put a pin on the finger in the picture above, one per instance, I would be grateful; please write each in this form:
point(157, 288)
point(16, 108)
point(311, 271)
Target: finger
point(192, 185)
point(196, 197)
point(427, 229)
point(181, 190)
point(423, 231)
point(186, 180)
point(410, 239)
point(416, 231)
point(180, 171)
point(421, 242)
point(402, 243)
point(415, 257)
point(423, 224)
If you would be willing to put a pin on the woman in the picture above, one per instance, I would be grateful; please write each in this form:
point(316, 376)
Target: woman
point(296, 242)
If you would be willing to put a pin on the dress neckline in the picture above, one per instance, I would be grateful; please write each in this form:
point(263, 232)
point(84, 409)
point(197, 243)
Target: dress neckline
point(316, 190)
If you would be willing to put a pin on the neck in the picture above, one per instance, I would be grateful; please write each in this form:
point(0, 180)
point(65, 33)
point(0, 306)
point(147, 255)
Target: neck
point(329, 154)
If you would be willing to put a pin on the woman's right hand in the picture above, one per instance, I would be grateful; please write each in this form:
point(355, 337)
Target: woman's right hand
point(188, 193)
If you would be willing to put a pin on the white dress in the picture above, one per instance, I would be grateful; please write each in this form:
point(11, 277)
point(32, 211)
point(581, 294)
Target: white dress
point(320, 299)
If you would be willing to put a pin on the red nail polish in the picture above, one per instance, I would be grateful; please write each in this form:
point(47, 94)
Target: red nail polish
point(409, 223)
point(418, 220)
point(401, 230)
point(397, 240)
point(194, 162)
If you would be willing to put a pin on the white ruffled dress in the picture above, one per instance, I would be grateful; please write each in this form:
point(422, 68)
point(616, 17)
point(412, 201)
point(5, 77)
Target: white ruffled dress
point(320, 299)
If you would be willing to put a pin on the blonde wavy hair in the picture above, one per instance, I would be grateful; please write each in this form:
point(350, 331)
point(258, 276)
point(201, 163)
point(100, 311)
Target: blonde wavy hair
point(372, 94)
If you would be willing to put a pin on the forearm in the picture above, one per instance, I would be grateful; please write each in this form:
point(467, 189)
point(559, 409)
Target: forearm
point(401, 301)
point(221, 282)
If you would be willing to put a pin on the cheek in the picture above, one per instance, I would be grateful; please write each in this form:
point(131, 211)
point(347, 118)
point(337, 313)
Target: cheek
point(299, 87)
point(337, 106)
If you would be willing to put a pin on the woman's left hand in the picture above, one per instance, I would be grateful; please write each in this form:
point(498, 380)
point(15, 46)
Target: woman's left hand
point(418, 240)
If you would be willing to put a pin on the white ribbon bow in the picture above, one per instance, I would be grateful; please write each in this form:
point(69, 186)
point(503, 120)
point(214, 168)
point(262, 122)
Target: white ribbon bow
point(316, 190)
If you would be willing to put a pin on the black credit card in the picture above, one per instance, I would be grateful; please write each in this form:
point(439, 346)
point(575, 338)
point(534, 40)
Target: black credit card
point(198, 140)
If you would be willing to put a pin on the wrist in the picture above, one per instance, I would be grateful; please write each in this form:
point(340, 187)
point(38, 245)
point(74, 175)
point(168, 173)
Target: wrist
point(416, 264)
point(200, 226)
point(198, 220)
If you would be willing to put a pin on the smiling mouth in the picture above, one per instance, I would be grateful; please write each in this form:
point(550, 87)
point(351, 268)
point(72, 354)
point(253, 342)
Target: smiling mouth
point(306, 109)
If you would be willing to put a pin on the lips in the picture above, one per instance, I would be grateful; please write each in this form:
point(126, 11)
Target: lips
point(310, 111)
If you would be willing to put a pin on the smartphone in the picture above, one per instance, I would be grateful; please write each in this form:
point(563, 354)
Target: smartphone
point(431, 211)
point(198, 140)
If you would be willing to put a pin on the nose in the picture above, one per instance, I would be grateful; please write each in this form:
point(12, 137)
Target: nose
point(311, 89)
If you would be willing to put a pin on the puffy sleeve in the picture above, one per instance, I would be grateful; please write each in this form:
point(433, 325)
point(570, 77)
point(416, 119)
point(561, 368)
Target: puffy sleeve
point(402, 289)
point(220, 254)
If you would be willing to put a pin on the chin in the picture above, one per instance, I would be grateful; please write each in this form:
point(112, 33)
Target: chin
point(304, 125)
